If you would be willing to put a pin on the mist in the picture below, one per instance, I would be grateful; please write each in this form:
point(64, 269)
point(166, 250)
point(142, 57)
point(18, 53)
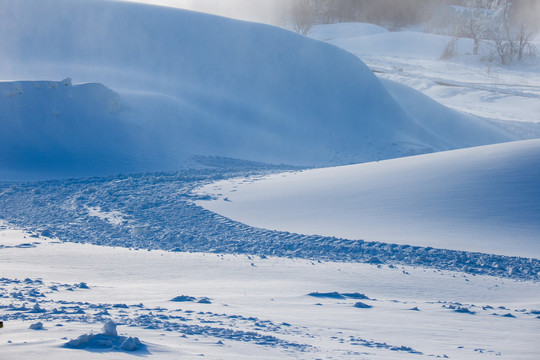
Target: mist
point(265, 11)
point(387, 13)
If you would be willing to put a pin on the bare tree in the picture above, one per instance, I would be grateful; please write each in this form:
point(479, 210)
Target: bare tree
point(304, 16)
point(492, 22)
point(511, 41)
point(474, 21)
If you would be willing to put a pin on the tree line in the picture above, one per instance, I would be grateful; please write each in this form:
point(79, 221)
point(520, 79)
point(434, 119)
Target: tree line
point(506, 25)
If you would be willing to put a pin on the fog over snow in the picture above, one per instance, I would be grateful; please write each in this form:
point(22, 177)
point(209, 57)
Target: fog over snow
point(266, 11)
point(470, 83)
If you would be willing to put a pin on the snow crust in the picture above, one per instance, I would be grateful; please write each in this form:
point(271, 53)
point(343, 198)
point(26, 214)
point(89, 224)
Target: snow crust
point(480, 199)
point(185, 83)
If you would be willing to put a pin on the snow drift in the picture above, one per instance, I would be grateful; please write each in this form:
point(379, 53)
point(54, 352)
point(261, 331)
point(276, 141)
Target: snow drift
point(190, 83)
point(482, 199)
point(49, 126)
point(369, 39)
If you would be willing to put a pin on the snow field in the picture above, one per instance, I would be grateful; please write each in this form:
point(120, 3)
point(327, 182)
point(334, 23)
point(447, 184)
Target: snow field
point(257, 297)
point(425, 239)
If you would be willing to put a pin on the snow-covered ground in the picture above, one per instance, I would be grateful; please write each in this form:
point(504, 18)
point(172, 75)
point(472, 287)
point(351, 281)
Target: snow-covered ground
point(253, 307)
point(156, 88)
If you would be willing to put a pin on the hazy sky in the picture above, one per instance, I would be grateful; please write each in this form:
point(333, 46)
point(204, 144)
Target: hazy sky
point(254, 10)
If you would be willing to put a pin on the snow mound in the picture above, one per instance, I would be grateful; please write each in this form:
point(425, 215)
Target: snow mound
point(194, 84)
point(36, 326)
point(49, 126)
point(108, 339)
point(361, 305)
point(483, 199)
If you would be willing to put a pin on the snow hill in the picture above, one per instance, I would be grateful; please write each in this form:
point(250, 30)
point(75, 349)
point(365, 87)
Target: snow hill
point(185, 83)
point(482, 199)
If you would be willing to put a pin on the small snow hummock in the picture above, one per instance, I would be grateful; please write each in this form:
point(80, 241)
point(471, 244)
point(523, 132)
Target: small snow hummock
point(109, 329)
point(36, 326)
point(337, 295)
point(462, 310)
point(187, 298)
point(362, 305)
point(331, 295)
point(37, 309)
point(107, 339)
point(130, 344)
point(183, 298)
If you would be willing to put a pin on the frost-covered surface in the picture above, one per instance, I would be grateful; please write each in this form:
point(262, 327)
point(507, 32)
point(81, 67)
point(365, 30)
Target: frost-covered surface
point(176, 83)
point(260, 307)
point(482, 199)
point(157, 211)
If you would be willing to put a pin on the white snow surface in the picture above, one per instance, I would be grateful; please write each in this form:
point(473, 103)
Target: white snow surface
point(153, 86)
point(483, 199)
point(259, 299)
point(169, 83)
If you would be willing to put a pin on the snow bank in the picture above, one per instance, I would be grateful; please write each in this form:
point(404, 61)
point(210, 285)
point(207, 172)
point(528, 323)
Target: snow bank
point(482, 199)
point(190, 83)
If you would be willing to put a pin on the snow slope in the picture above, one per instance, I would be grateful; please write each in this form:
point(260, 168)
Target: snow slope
point(190, 83)
point(483, 199)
